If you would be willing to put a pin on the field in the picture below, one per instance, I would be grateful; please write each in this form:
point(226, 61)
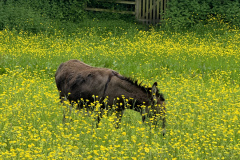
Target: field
point(197, 73)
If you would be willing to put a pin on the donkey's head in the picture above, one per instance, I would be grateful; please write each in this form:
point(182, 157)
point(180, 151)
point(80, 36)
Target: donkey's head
point(157, 99)
point(158, 105)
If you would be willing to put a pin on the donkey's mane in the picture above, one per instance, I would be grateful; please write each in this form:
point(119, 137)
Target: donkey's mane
point(139, 85)
point(143, 88)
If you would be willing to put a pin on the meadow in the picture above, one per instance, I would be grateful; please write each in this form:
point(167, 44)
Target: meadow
point(197, 73)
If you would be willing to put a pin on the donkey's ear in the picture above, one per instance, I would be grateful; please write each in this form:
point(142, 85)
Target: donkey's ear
point(154, 89)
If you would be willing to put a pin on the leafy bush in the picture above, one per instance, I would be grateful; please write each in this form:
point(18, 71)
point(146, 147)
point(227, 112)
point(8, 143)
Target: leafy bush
point(39, 15)
point(14, 15)
point(188, 13)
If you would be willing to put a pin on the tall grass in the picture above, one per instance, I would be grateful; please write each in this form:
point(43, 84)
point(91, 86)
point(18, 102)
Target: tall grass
point(198, 74)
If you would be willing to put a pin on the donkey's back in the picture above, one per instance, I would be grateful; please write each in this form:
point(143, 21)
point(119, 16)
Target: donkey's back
point(81, 80)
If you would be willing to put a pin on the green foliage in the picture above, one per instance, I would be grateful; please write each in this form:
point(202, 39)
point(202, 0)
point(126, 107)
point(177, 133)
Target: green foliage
point(188, 13)
point(40, 15)
point(18, 16)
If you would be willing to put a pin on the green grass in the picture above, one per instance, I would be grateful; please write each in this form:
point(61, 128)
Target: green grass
point(197, 73)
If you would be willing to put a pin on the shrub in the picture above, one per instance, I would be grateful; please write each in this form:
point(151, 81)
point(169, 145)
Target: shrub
point(39, 15)
point(188, 13)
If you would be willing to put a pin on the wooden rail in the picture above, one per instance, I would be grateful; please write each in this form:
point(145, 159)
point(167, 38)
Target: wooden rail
point(123, 2)
point(111, 10)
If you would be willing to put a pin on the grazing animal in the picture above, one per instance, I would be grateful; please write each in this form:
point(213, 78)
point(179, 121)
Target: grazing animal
point(78, 81)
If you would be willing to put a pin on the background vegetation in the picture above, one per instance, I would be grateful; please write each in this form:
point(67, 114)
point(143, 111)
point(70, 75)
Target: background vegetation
point(41, 15)
point(188, 13)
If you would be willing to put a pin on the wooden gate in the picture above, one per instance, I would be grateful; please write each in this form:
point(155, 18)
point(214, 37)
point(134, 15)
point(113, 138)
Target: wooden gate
point(150, 11)
point(146, 11)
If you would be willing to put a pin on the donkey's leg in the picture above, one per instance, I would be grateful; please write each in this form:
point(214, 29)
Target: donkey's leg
point(119, 115)
point(163, 126)
point(69, 108)
point(64, 102)
point(99, 116)
point(82, 108)
point(155, 119)
point(69, 112)
point(143, 113)
point(143, 118)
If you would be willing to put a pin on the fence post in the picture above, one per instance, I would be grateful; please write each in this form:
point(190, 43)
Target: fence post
point(136, 8)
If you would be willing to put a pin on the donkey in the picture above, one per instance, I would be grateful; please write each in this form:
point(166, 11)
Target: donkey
point(77, 81)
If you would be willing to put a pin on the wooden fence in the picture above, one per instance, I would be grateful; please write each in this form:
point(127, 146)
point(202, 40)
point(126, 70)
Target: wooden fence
point(146, 11)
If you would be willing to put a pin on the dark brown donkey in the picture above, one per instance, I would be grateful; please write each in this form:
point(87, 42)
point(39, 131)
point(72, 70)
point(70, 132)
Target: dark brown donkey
point(77, 81)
